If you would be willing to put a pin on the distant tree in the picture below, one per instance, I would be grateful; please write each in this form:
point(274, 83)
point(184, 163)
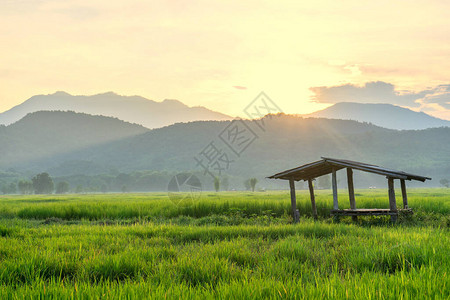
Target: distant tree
point(123, 180)
point(225, 184)
point(9, 188)
point(79, 189)
point(12, 188)
point(62, 187)
point(247, 185)
point(445, 182)
point(43, 184)
point(253, 182)
point(4, 189)
point(216, 184)
point(125, 189)
point(25, 187)
point(104, 188)
point(324, 182)
point(300, 185)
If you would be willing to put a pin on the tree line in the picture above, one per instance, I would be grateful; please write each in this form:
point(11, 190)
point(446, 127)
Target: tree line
point(40, 184)
point(139, 181)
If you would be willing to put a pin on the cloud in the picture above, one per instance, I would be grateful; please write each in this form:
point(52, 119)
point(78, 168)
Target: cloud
point(435, 100)
point(354, 69)
point(440, 96)
point(381, 92)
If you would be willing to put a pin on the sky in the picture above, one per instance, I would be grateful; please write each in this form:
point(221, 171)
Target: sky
point(305, 55)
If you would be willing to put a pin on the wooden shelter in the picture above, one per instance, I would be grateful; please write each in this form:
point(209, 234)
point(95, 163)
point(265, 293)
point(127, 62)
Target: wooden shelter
point(326, 166)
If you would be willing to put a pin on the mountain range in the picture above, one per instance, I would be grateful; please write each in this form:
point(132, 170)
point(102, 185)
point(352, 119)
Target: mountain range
point(42, 135)
point(133, 109)
point(108, 135)
point(69, 143)
point(152, 114)
point(384, 115)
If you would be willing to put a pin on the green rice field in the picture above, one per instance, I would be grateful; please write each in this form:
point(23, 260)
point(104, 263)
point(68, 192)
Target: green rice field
point(226, 245)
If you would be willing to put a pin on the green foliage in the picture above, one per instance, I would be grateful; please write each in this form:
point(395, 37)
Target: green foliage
point(43, 184)
point(104, 188)
point(25, 187)
point(430, 205)
point(79, 189)
point(93, 145)
point(62, 187)
point(216, 184)
point(225, 183)
point(324, 182)
point(45, 134)
point(9, 188)
point(247, 185)
point(253, 182)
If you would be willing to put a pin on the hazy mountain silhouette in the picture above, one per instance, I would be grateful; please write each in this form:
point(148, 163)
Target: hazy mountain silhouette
point(133, 109)
point(43, 134)
point(384, 115)
point(77, 145)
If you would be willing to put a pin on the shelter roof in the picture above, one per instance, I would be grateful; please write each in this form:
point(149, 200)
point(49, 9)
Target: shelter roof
point(326, 165)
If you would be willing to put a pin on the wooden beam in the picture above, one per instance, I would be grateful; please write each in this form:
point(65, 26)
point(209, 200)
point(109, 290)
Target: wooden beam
point(335, 191)
point(392, 202)
point(367, 212)
point(404, 196)
point(351, 191)
point(295, 213)
point(368, 169)
point(313, 198)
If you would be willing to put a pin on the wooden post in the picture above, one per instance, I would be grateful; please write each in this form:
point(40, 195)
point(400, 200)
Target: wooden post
point(313, 198)
point(404, 196)
point(295, 213)
point(335, 192)
point(392, 203)
point(351, 191)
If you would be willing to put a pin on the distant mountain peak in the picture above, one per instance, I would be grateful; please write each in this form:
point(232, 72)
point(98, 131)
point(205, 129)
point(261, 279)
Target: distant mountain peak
point(63, 93)
point(132, 109)
point(60, 93)
point(110, 93)
point(174, 103)
point(46, 134)
point(381, 114)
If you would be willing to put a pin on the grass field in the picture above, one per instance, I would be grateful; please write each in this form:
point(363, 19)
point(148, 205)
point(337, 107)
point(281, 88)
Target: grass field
point(224, 245)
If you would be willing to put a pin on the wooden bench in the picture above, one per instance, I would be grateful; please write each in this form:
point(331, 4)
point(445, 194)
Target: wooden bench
point(370, 212)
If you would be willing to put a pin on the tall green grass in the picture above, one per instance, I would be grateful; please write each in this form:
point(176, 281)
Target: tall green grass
point(142, 246)
point(276, 204)
point(313, 259)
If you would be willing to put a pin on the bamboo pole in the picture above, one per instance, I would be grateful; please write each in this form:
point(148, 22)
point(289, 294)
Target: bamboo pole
point(313, 198)
point(392, 202)
point(404, 195)
point(351, 191)
point(335, 191)
point(295, 213)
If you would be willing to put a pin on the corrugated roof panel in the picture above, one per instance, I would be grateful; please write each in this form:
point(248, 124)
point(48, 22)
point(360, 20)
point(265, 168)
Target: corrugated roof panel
point(325, 166)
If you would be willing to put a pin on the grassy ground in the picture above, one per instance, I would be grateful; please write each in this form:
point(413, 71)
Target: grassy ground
point(225, 245)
